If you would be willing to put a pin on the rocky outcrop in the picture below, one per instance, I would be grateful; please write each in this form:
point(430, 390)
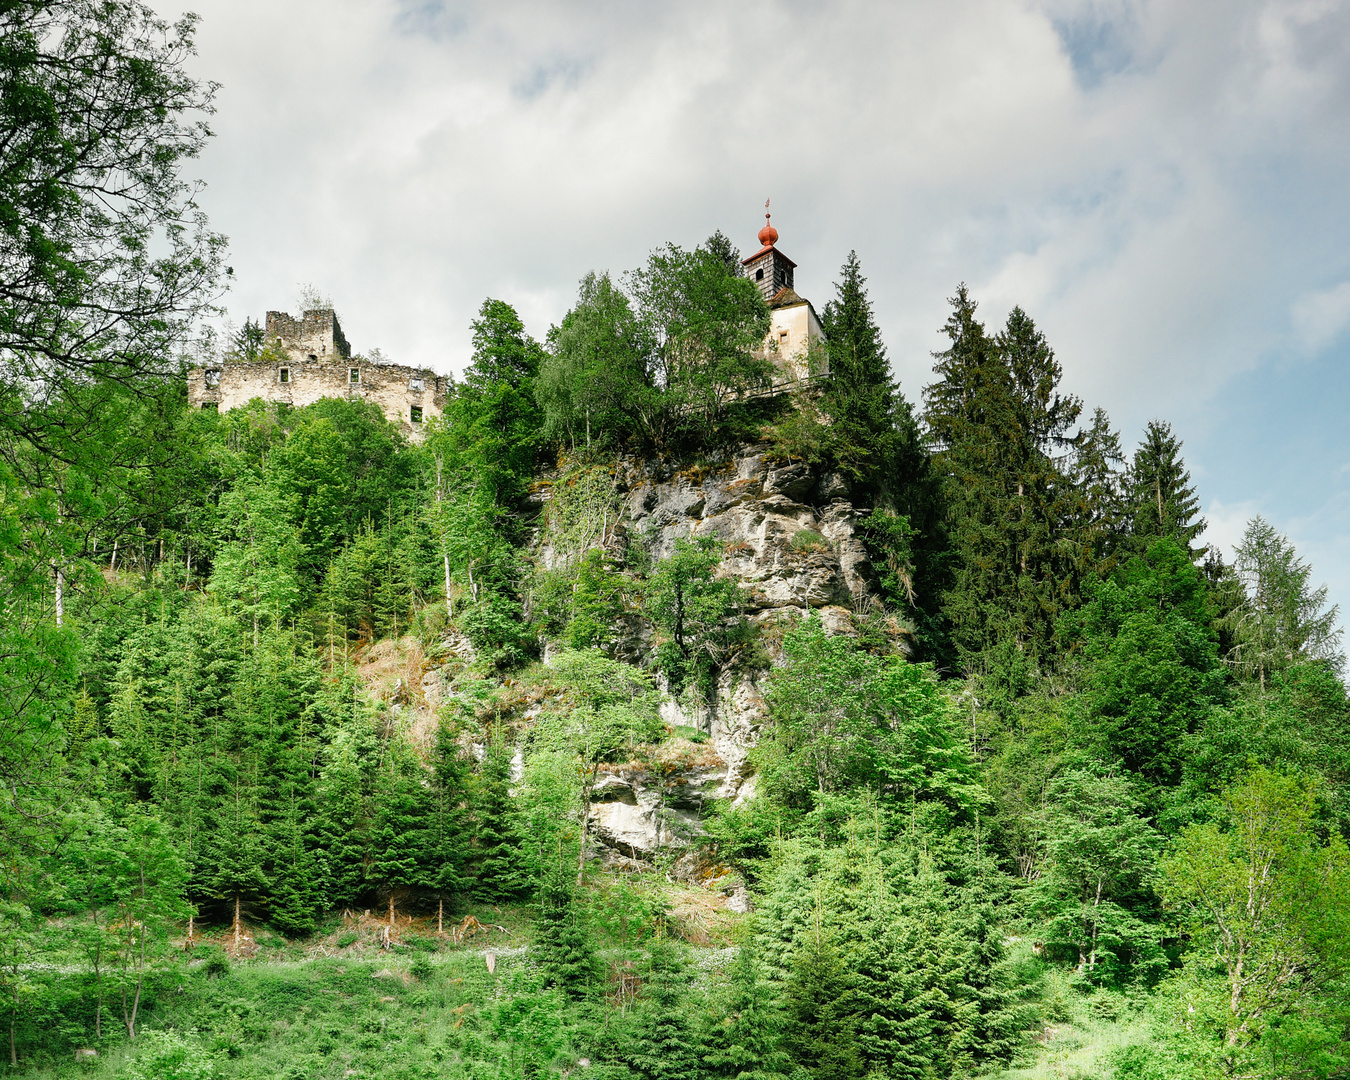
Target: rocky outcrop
point(789, 534)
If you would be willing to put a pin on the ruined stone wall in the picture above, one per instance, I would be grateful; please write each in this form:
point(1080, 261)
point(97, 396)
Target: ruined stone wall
point(397, 390)
point(316, 335)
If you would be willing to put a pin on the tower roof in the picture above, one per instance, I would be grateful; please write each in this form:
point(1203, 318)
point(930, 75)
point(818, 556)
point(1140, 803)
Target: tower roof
point(768, 236)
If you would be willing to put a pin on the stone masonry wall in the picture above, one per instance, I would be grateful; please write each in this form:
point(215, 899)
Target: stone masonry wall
point(392, 387)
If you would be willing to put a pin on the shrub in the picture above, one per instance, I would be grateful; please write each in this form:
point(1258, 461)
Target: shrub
point(421, 968)
point(217, 963)
point(807, 540)
point(166, 1055)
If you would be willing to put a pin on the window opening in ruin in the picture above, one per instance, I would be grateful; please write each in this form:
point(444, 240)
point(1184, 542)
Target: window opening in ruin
point(212, 406)
point(416, 384)
point(416, 414)
point(354, 375)
point(284, 375)
point(213, 378)
point(759, 274)
point(313, 357)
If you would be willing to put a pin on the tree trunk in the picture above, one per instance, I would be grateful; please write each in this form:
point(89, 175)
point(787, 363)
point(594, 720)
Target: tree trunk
point(449, 603)
point(236, 924)
point(391, 907)
point(586, 788)
point(440, 912)
point(60, 594)
point(98, 1004)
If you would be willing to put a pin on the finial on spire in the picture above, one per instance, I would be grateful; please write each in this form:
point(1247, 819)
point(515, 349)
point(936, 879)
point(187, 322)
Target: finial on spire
point(768, 236)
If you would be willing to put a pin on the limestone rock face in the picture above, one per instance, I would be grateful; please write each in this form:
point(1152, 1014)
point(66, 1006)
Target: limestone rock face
point(638, 813)
point(755, 509)
point(788, 534)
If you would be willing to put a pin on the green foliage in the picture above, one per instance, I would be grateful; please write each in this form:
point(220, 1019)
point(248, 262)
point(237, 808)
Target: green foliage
point(746, 1044)
point(1284, 621)
point(844, 719)
point(821, 1034)
point(808, 540)
point(1267, 905)
point(892, 538)
point(562, 946)
point(497, 865)
point(583, 598)
point(1162, 500)
point(1100, 855)
point(402, 852)
point(664, 1044)
point(166, 1055)
point(692, 609)
point(999, 425)
point(107, 257)
point(1152, 670)
point(593, 384)
point(861, 398)
point(661, 361)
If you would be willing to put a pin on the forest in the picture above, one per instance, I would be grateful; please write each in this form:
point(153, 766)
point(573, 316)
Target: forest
point(306, 727)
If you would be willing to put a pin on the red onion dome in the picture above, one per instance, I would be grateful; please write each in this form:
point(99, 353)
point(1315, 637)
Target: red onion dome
point(768, 236)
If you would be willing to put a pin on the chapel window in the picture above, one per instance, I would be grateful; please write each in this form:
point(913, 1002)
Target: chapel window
point(284, 375)
point(416, 414)
point(354, 375)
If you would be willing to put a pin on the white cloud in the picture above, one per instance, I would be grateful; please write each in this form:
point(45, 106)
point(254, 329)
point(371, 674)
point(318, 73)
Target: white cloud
point(1320, 317)
point(1225, 524)
point(414, 161)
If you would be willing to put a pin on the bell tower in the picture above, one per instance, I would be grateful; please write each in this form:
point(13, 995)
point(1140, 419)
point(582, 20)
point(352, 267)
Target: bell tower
point(768, 268)
point(794, 330)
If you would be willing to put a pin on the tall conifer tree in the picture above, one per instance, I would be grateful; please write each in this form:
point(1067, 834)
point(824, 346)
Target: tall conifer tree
point(861, 394)
point(498, 868)
point(1163, 502)
point(1000, 429)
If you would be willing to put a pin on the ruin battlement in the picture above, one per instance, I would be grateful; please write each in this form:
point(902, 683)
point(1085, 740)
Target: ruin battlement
point(315, 335)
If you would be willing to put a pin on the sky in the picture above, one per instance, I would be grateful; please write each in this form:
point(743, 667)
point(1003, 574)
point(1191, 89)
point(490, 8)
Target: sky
point(1163, 186)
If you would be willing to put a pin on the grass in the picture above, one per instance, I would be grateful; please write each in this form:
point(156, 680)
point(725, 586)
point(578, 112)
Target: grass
point(337, 1005)
point(1082, 1032)
point(807, 541)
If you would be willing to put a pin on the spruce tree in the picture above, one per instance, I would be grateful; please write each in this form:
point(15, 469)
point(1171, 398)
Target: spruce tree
point(1163, 502)
point(449, 825)
point(664, 1046)
point(562, 947)
point(720, 245)
point(498, 866)
point(1000, 427)
point(861, 395)
point(745, 1045)
point(1285, 621)
point(345, 822)
point(232, 854)
point(400, 840)
point(295, 897)
point(821, 1031)
point(1100, 513)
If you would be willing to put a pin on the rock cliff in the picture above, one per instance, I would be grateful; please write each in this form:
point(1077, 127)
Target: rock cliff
point(789, 536)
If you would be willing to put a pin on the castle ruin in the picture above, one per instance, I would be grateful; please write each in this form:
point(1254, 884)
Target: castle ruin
point(307, 359)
